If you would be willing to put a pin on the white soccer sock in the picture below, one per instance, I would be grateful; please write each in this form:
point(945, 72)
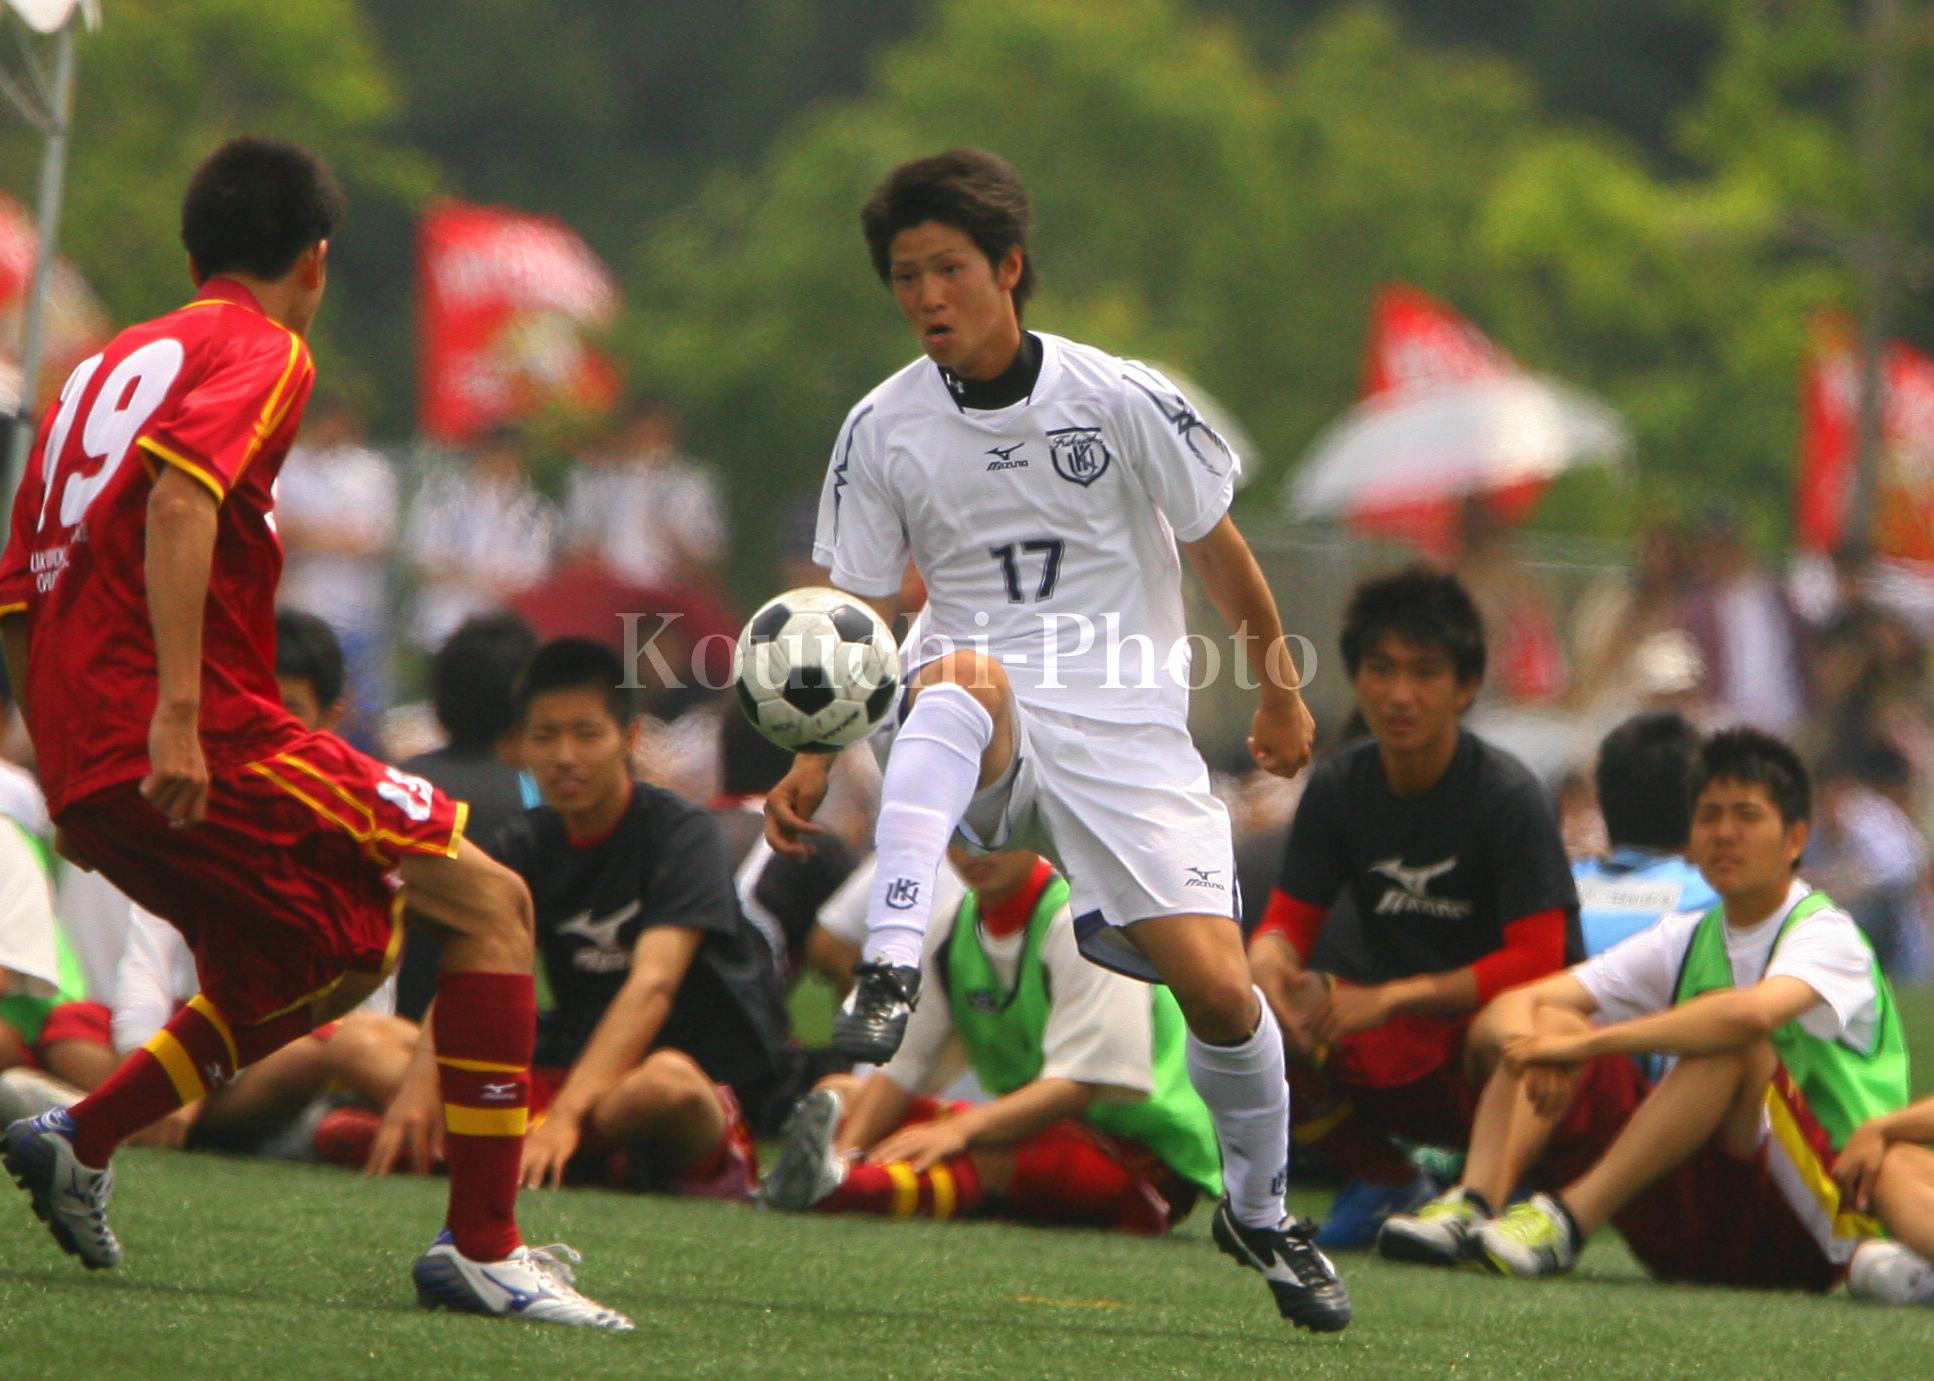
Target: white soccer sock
point(930, 779)
point(1247, 1091)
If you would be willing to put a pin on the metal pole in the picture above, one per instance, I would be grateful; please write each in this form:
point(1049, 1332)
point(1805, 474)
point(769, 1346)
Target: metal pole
point(53, 176)
point(1877, 252)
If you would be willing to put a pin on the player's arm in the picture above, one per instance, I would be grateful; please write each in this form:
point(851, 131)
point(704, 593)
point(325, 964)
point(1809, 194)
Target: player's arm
point(1005, 1121)
point(618, 1045)
point(182, 516)
point(1857, 1167)
point(1533, 946)
point(795, 799)
point(880, 1105)
point(1281, 732)
point(13, 641)
point(1710, 1024)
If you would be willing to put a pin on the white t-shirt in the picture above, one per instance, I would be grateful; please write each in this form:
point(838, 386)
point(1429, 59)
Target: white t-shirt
point(642, 515)
point(27, 946)
point(1045, 531)
point(497, 537)
point(1100, 1030)
point(1826, 951)
point(340, 487)
point(21, 799)
point(157, 975)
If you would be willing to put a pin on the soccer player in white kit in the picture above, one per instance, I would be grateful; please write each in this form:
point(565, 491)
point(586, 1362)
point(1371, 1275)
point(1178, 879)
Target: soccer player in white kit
point(1047, 493)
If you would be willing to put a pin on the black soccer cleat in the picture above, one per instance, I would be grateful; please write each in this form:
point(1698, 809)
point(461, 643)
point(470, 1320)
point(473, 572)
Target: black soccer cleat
point(873, 1019)
point(1307, 1290)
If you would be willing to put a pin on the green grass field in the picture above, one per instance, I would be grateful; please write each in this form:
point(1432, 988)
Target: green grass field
point(242, 1268)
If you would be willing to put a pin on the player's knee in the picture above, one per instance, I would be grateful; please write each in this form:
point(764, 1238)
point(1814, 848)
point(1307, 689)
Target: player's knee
point(680, 1092)
point(1221, 1008)
point(979, 675)
point(508, 921)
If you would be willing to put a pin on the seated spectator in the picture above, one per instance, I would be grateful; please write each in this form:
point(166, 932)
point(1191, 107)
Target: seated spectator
point(157, 975)
point(1887, 1169)
point(1865, 849)
point(1641, 784)
point(478, 534)
point(473, 684)
point(1785, 1041)
point(782, 897)
point(336, 510)
point(1093, 1121)
point(667, 1041)
point(1451, 852)
point(20, 795)
point(53, 1045)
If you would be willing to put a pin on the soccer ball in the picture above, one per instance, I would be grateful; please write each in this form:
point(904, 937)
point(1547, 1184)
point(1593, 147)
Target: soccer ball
point(816, 669)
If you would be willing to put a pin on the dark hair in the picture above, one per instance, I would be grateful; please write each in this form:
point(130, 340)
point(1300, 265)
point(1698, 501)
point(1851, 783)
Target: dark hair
point(1642, 768)
point(1748, 755)
point(473, 679)
point(1422, 606)
point(306, 650)
point(974, 191)
point(750, 764)
point(257, 205)
point(578, 664)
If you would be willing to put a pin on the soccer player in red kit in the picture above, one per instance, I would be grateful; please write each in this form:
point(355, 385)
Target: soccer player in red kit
point(137, 607)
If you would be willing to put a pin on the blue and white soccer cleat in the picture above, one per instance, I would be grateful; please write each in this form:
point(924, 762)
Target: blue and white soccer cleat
point(70, 1198)
point(535, 1284)
point(1361, 1207)
point(808, 1168)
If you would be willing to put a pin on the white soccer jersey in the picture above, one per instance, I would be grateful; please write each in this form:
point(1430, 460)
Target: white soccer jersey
point(1045, 531)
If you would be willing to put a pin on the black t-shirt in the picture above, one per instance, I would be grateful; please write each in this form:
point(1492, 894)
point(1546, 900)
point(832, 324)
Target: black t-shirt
point(1435, 877)
point(779, 895)
point(663, 865)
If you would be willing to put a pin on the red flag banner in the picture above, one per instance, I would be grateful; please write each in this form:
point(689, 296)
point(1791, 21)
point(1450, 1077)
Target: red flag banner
point(506, 301)
point(1830, 440)
point(1418, 342)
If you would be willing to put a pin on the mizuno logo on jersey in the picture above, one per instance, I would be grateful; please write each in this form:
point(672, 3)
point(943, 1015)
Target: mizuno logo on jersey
point(500, 1093)
point(1203, 877)
point(604, 954)
point(1004, 458)
point(1412, 892)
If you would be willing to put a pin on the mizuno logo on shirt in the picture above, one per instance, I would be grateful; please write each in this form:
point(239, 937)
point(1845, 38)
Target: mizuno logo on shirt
point(1412, 892)
point(1004, 457)
point(605, 953)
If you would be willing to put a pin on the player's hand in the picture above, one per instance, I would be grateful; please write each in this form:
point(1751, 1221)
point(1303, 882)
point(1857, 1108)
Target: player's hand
point(177, 780)
point(1569, 1048)
point(791, 805)
point(548, 1150)
point(922, 1145)
point(412, 1130)
point(1295, 994)
point(1350, 1011)
point(1280, 737)
point(1858, 1166)
point(1550, 1088)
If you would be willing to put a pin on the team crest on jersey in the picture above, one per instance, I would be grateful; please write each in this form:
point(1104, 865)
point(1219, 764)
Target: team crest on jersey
point(1079, 454)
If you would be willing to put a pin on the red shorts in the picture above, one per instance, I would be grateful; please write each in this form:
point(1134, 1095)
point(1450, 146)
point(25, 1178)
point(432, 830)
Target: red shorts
point(285, 887)
point(71, 1021)
point(1438, 1107)
point(1772, 1220)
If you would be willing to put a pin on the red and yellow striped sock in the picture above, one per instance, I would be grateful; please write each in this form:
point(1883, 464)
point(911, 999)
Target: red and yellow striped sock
point(486, 1025)
point(947, 1190)
point(182, 1063)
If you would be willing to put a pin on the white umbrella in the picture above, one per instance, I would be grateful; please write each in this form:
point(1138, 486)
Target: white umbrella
point(47, 16)
point(1454, 439)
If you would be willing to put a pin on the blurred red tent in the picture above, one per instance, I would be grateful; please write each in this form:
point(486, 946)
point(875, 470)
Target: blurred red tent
point(507, 301)
point(1447, 416)
point(1829, 444)
point(76, 324)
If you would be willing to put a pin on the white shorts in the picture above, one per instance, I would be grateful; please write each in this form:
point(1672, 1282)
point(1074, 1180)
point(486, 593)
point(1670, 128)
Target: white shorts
point(1125, 810)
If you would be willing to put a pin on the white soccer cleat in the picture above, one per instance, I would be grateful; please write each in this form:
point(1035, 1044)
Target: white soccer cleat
point(808, 1168)
point(535, 1284)
point(70, 1198)
point(1530, 1240)
point(1441, 1233)
point(1890, 1273)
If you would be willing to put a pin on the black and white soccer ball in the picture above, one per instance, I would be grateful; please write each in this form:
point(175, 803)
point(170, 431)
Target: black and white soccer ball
point(816, 669)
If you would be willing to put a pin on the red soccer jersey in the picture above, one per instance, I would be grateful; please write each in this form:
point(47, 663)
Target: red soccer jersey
point(217, 389)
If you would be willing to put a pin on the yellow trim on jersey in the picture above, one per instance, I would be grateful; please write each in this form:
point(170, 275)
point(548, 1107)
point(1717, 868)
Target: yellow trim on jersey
point(1813, 1175)
point(19, 608)
point(178, 1065)
point(181, 462)
point(942, 1180)
point(369, 834)
point(465, 1121)
point(393, 952)
point(906, 1188)
point(215, 1019)
point(272, 415)
point(479, 1066)
point(307, 999)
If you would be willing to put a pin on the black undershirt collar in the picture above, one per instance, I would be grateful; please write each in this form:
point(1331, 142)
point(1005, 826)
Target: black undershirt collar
point(1005, 389)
